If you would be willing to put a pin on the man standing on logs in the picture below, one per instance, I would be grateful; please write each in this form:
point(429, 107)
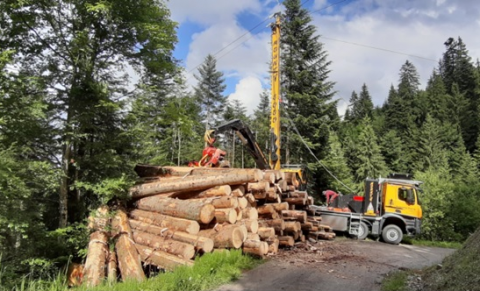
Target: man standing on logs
point(211, 156)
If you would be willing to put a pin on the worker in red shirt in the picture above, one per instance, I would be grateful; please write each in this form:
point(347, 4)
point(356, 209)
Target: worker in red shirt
point(330, 195)
point(211, 156)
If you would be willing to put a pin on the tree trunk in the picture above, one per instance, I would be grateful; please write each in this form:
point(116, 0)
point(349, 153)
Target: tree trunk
point(238, 190)
point(165, 221)
point(129, 261)
point(258, 248)
point(200, 243)
point(272, 245)
point(266, 232)
point(195, 182)
point(250, 224)
point(225, 215)
point(277, 224)
point(230, 236)
point(296, 201)
point(225, 202)
point(187, 209)
point(161, 259)
point(112, 267)
point(242, 202)
point(253, 236)
point(224, 190)
point(95, 265)
point(293, 226)
point(286, 241)
point(298, 215)
point(99, 219)
point(250, 213)
point(279, 206)
point(161, 243)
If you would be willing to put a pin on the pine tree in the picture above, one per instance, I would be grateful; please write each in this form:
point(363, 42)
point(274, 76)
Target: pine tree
point(361, 105)
point(438, 101)
point(371, 161)
point(306, 89)
point(394, 152)
point(336, 163)
point(456, 67)
point(209, 91)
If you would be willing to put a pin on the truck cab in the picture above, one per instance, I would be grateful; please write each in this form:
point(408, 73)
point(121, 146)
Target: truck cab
point(389, 207)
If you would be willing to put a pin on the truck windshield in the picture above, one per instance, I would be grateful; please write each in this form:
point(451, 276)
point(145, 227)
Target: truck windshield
point(419, 193)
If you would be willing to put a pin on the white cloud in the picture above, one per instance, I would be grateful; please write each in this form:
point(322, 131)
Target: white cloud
point(410, 27)
point(208, 12)
point(248, 91)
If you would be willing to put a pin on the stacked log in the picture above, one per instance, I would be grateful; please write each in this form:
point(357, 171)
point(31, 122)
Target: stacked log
point(179, 213)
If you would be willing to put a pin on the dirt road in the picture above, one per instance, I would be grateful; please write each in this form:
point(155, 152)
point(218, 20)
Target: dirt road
point(343, 264)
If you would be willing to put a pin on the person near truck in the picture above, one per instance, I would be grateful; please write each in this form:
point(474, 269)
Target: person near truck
point(330, 195)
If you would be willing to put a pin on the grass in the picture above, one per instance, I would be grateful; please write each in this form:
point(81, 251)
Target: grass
point(208, 272)
point(428, 243)
point(396, 281)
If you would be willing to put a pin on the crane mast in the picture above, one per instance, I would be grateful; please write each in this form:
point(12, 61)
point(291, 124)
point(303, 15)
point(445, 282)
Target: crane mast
point(275, 105)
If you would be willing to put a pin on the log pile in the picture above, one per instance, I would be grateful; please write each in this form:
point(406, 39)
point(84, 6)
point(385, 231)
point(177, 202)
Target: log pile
point(178, 213)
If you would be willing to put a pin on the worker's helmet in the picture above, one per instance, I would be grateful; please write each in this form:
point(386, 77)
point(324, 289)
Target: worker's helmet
point(209, 136)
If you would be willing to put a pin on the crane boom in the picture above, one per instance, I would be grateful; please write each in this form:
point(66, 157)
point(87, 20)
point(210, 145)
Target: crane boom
point(275, 105)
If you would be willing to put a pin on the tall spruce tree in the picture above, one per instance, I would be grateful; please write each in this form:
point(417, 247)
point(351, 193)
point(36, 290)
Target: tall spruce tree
point(306, 89)
point(456, 67)
point(209, 91)
point(371, 161)
point(361, 106)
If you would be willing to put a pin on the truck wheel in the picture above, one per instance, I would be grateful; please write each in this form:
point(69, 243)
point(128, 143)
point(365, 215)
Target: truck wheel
point(392, 234)
point(362, 231)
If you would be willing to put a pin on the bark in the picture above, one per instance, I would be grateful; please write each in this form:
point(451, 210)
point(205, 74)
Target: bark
point(165, 221)
point(291, 179)
point(269, 177)
point(95, 265)
point(271, 194)
point(298, 194)
point(296, 201)
point(225, 215)
point(279, 206)
point(250, 198)
point(250, 213)
point(199, 243)
point(266, 232)
point(197, 182)
point(166, 244)
point(253, 236)
point(99, 219)
point(112, 267)
point(307, 226)
point(261, 186)
point(286, 241)
point(266, 209)
point(297, 215)
point(188, 209)
point(250, 224)
point(277, 224)
point(272, 245)
point(238, 190)
point(129, 262)
point(224, 190)
point(230, 236)
point(225, 202)
point(161, 259)
point(283, 185)
point(258, 248)
point(293, 226)
point(279, 175)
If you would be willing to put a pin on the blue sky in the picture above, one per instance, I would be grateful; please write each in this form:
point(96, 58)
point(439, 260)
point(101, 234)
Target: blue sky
point(408, 29)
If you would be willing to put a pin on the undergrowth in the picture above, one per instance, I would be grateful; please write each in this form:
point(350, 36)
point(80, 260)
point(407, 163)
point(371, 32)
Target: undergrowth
point(209, 271)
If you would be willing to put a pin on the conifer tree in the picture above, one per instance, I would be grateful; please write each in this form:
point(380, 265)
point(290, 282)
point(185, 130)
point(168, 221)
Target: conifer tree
point(209, 91)
point(371, 161)
point(336, 163)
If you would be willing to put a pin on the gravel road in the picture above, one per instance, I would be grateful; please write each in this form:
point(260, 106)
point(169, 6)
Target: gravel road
point(342, 264)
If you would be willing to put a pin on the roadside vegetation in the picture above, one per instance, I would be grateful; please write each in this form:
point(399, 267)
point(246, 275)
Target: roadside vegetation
point(208, 272)
point(459, 271)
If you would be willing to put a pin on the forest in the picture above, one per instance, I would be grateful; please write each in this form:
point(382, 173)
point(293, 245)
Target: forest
point(73, 126)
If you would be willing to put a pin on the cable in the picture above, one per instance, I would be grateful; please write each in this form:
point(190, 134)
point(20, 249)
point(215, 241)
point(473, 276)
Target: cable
point(311, 152)
point(377, 48)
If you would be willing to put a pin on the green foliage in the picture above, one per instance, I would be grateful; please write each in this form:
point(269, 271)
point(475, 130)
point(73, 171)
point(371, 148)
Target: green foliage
point(371, 162)
point(209, 91)
point(396, 281)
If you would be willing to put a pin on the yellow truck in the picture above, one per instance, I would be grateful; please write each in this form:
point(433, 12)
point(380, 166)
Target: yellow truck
point(390, 208)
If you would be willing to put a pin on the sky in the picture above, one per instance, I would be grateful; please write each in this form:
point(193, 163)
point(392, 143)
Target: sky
point(367, 41)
